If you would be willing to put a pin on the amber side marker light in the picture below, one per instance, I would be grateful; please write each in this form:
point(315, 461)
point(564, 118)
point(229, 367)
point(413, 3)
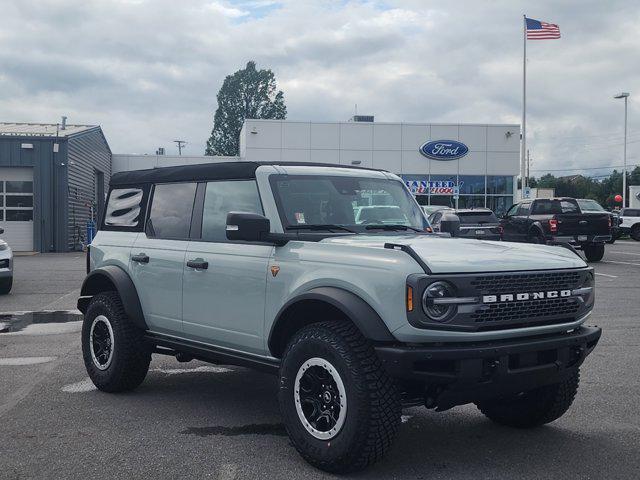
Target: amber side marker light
point(409, 299)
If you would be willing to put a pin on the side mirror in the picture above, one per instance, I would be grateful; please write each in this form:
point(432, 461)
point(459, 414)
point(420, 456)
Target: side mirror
point(450, 223)
point(252, 227)
point(249, 227)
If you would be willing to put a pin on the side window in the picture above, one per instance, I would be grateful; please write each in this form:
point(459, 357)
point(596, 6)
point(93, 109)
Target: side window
point(124, 207)
point(524, 209)
point(569, 207)
point(223, 197)
point(171, 208)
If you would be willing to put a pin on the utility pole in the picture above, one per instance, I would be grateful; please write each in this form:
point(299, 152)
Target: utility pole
point(528, 166)
point(624, 95)
point(181, 143)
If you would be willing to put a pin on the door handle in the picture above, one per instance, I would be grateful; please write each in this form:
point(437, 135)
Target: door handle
point(140, 258)
point(198, 264)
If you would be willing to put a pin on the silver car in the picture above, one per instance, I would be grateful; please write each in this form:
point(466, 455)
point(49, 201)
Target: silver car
point(6, 266)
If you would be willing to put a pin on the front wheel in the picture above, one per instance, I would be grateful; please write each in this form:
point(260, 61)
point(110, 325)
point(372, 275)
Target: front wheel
point(594, 253)
point(114, 355)
point(635, 233)
point(533, 408)
point(340, 408)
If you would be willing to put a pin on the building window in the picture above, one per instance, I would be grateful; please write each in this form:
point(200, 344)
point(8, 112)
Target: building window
point(16, 201)
point(471, 201)
point(471, 184)
point(499, 185)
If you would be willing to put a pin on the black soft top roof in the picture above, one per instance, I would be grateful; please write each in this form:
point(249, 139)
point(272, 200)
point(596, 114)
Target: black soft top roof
point(204, 171)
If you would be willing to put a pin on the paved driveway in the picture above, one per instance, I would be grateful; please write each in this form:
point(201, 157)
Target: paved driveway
point(47, 281)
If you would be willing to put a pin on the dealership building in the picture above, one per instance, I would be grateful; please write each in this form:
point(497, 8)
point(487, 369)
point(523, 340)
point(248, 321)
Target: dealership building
point(463, 165)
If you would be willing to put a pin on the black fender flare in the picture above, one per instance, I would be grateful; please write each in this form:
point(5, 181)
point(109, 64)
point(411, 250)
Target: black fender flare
point(105, 278)
point(363, 316)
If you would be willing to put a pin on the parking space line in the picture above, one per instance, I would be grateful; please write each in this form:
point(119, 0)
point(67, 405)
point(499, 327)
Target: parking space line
point(606, 275)
point(620, 263)
point(625, 253)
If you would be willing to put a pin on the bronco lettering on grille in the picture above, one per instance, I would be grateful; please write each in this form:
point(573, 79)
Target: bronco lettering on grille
point(519, 297)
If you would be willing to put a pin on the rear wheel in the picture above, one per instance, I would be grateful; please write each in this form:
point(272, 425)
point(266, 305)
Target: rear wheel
point(533, 408)
point(536, 237)
point(339, 406)
point(594, 253)
point(114, 355)
point(5, 285)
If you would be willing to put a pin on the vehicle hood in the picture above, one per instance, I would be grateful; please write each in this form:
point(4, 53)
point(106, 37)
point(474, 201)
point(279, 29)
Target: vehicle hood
point(443, 254)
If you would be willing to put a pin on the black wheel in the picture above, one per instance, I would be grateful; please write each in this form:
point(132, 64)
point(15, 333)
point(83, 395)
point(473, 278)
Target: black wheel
point(635, 233)
point(5, 285)
point(114, 355)
point(594, 253)
point(533, 408)
point(537, 238)
point(340, 408)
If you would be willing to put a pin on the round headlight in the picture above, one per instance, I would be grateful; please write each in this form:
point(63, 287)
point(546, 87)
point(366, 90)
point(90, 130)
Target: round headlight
point(438, 312)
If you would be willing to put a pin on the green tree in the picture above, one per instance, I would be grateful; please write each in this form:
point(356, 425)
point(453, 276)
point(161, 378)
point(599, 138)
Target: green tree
point(248, 93)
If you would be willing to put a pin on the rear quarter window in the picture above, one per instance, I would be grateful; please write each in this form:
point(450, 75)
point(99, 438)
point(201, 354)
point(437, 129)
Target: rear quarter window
point(125, 209)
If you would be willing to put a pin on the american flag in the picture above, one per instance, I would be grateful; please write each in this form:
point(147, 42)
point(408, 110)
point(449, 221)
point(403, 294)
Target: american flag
point(537, 30)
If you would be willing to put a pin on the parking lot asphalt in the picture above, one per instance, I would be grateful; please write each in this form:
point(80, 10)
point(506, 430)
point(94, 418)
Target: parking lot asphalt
point(196, 420)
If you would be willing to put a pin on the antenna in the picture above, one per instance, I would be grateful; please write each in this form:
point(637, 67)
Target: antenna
point(181, 143)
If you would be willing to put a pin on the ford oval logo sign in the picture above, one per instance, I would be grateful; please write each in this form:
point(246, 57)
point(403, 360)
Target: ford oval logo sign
point(444, 150)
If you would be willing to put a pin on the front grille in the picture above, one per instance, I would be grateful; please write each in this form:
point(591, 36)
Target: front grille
point(528, 282)
point(530, 309)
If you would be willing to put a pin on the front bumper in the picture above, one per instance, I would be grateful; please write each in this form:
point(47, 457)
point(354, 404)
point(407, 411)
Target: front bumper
point(455, 374)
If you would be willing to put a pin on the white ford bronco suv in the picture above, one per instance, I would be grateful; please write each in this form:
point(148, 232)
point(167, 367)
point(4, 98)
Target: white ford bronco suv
point(266, 266)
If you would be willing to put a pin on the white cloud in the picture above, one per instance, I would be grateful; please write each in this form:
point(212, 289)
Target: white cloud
point(148, 71)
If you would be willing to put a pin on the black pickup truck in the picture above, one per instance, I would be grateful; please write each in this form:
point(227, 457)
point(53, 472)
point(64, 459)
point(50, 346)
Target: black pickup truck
point(557, 220)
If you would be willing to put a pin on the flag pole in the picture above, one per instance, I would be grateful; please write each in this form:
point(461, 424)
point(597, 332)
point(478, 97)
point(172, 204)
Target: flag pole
point(524, 105)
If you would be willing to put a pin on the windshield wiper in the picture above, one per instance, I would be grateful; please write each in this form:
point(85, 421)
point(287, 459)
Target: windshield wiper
point(392, 226)
point(328, 226)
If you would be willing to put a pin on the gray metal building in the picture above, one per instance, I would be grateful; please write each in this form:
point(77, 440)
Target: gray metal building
point(52, 177)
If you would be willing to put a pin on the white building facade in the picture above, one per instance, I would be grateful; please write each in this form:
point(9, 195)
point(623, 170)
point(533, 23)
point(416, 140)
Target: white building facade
point(463, 165)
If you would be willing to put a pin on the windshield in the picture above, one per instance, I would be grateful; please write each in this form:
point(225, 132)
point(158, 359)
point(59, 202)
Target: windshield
point(359, 204)
point(590, 206)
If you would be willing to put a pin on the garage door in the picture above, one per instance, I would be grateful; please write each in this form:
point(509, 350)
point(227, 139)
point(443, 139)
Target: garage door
point(16, 207)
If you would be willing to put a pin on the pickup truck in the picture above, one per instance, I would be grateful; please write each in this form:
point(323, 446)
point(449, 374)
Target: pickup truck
point(558, 220)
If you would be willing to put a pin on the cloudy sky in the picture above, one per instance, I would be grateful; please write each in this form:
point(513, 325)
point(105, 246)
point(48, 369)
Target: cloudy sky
point(148, 70)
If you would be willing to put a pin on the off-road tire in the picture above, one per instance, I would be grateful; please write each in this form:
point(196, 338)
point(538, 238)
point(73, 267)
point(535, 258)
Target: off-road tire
point(536, 237)
point(593, 253)
point(131, 357)
point(373, 406)
point(534, 408)
point(5, 285)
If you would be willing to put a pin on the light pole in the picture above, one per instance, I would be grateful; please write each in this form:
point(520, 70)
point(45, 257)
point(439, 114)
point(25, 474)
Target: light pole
point(624, 95)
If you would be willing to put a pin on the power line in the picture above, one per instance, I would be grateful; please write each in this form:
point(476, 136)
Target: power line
point(578, 169)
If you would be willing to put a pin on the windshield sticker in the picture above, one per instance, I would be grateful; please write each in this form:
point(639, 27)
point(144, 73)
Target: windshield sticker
point(299, 217)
